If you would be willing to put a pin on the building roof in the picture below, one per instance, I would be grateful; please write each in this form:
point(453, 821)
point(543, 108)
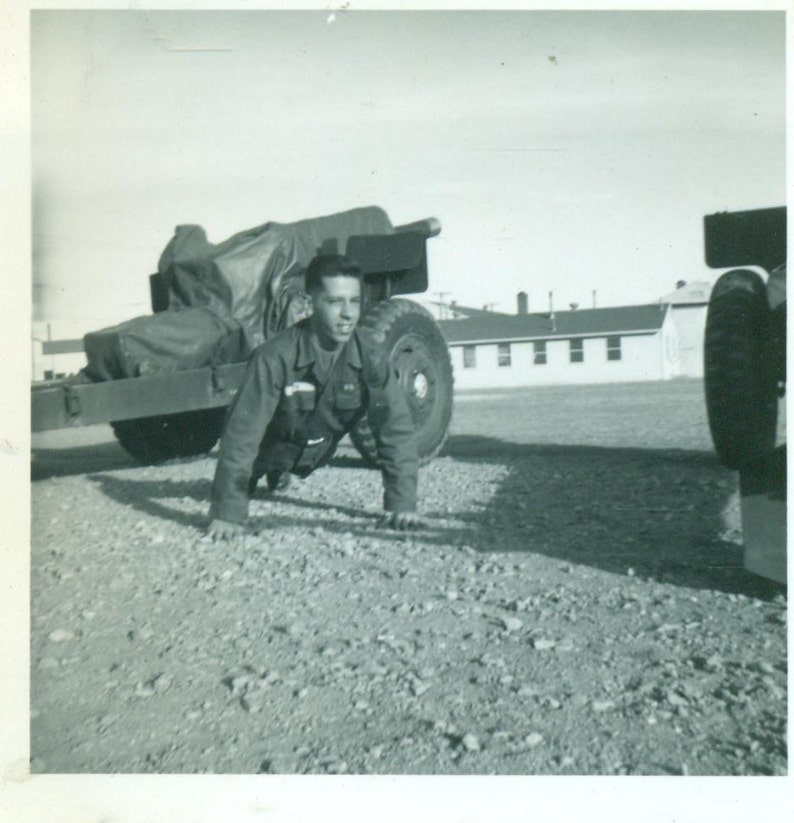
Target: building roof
point(696, 293)
point(580, 323)
point(463, 312)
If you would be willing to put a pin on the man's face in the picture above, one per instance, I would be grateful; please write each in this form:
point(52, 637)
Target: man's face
point(337, 307)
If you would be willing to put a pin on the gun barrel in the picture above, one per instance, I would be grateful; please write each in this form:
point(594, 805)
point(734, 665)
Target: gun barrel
point(429, 227)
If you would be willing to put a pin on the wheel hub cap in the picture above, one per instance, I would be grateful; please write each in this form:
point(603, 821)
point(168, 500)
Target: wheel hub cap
point(420, 385)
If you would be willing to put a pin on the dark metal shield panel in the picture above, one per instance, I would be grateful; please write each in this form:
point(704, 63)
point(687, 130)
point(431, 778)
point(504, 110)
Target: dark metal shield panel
point(746, 238)
point(399, 260)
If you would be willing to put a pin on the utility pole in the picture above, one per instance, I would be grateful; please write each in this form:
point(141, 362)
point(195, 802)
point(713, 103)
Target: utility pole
point(441, 295)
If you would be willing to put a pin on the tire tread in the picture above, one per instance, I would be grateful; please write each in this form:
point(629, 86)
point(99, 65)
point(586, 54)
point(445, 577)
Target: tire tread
point(380, 321)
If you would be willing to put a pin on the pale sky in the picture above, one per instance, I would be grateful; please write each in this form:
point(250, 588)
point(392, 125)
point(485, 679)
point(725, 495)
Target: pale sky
point(564, 151)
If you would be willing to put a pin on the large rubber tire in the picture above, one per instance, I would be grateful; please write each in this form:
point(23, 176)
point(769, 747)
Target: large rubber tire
point(419, 355)
point(740, 381)
point(152, 440)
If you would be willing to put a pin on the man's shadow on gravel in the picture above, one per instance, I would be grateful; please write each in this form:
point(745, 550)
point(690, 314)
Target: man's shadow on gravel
point(150, 497)
point(653, 513)
point(146, 496)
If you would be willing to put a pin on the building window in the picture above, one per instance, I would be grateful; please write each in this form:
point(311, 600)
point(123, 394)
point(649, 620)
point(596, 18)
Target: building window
point(504, 354)
point(470, 357)
point(577, 351)
point(539, 347)
point(613, 348)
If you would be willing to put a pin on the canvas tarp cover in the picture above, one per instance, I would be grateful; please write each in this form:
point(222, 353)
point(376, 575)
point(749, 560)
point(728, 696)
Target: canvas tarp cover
point(253, 275)
point(224, 299)
point(163, 342)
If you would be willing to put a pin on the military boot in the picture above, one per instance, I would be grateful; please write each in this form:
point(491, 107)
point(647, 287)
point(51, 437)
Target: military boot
point(278, 480)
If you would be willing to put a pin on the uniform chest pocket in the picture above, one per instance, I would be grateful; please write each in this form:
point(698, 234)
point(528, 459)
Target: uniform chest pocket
point(347, 397)
point(299, 397)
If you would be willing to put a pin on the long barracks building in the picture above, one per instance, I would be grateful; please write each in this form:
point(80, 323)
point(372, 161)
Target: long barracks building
point(617, 344)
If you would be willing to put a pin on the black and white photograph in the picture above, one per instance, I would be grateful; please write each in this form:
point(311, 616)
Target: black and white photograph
point(407, 397)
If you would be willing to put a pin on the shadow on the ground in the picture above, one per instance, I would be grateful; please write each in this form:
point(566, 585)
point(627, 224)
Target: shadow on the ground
point(663, 514)
point(652, 513)
point(68, 462)
point(150, 496)
point(71, 461)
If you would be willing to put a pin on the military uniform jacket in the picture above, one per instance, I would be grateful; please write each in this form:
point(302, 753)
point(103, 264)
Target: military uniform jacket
point(284, 414)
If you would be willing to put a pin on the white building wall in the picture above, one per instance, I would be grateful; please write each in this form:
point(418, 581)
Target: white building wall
point(671, 355)
point(643, 357)
point(690, 323)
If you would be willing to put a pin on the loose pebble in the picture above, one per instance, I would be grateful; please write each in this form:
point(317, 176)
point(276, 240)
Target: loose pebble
point(603, 705)
point(543, 643)
point(471, 742)
point(512, 624)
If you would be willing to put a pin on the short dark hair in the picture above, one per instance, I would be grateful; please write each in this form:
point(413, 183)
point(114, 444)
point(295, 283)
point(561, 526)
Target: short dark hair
point(330, 265)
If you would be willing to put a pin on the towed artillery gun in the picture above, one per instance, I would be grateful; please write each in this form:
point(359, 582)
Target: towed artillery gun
point(745, 373)
point(165, 380)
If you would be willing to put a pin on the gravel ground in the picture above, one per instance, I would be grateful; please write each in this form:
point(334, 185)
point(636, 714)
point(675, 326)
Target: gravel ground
point(576, 605)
